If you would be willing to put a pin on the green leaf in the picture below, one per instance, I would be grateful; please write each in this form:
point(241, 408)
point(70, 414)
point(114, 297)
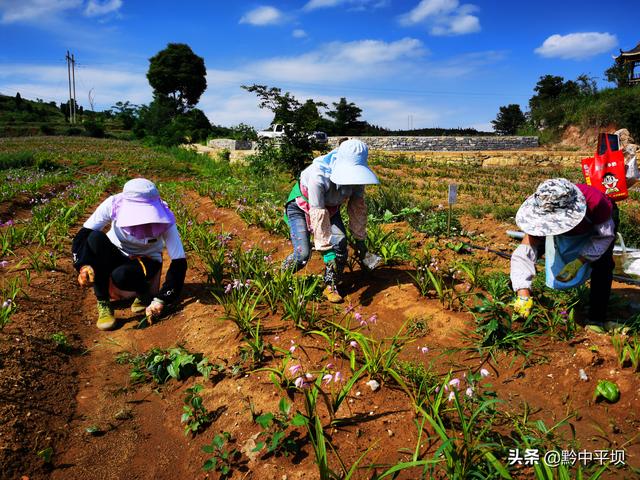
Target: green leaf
point(259, 446)
point(209, 464)
point(264, 420)
point(607, 390)
point(298, 420)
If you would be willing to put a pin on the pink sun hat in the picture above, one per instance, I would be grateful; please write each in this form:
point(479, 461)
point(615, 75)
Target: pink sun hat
point(140, 204)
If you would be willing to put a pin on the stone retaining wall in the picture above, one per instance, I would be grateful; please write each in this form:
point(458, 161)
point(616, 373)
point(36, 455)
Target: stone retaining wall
point(445, 144)
point(503, 158)
point(226, 143)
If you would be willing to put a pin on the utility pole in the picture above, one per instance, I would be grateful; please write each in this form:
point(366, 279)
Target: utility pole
point(73, 76)
point(71, 73)
point(68, 58)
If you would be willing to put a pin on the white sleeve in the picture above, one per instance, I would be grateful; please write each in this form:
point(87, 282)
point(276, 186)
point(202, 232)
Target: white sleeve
point(173, 242)
point(523, 267)
point(316, 191)
point(101, 217)
point(631, 165)
point(600, 241)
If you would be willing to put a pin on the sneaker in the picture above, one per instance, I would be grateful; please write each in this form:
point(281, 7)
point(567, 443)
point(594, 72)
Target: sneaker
point(138, 305)
point(106, 320)
point(331, 294)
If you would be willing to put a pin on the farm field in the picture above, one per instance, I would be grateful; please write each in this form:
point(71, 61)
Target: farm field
point(421, 373)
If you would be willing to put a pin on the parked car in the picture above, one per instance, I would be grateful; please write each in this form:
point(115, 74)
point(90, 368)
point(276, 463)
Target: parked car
point(319, 137)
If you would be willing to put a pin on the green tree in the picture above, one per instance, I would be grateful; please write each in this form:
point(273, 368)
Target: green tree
point(509, 119)
point(296, 149)
point(178, 73)
point(618, 73)
point(127, 113)
point(587, 85)
point(345, 116)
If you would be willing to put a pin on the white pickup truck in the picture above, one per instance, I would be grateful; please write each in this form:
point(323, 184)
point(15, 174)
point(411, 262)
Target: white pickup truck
point(274, 131)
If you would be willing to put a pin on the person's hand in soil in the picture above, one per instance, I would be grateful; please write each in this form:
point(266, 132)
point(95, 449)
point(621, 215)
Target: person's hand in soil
point(86, 276)
point(154, 310)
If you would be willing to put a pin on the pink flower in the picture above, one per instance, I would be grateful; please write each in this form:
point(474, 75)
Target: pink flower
point(452, 395)
point(326, 380)
point(358, 317)
point(423, 350)
point(330, 366)
point(293, 346)
point(294, 369)
point(469, 392)
point(3, 264)
point(484, 372)
point(455, 383)
point(228, 288)
point(299, 382)
point(337, 377)
point(353, 344)
point(349, 308)
point(373, 319)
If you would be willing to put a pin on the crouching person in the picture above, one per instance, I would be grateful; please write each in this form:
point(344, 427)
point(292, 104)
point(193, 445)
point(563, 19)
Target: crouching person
point(314, 204)
point(573, 225)
point(129, 256)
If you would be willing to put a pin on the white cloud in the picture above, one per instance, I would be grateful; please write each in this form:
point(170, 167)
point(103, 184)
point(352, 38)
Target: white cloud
point(335, 62)
point(350, 4)
point(28, 10)
point(299, 33)
point(49, 82)
point(443, 17)
point(260, 16)
point(395, 114)
point(577, 46)
point(96, 8)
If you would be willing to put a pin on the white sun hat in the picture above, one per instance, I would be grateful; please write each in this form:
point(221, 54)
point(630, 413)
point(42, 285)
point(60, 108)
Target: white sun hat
point(351, 166)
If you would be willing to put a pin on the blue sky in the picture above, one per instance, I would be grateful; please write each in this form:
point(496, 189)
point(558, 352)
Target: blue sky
point(428, 63)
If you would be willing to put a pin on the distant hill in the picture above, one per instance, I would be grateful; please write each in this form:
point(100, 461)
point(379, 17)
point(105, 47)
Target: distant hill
point(20, 117)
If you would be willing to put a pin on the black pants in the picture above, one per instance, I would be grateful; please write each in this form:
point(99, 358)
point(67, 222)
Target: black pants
point(126, 273)
point(601, 278)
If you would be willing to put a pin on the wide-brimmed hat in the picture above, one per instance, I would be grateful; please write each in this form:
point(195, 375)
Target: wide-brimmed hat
point(140, 204)
point(556, 207)
point(351, 166)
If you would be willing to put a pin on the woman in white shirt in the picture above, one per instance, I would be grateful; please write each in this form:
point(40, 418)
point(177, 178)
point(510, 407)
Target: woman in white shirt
point(130, 253)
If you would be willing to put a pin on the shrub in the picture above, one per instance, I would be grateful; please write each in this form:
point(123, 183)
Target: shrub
point(47, 130)
point(93, 128)
point(73, 131)
point(46, 164)
point(436, 223)
point(16, 160)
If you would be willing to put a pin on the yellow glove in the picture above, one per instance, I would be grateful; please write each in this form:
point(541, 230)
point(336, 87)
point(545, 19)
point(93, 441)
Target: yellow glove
point(523, 305)
point(570, 270)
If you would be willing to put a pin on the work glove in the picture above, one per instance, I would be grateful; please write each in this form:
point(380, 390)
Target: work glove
point(86, 276)
point(367, 260)
point(523, 305)
point(154, 310)
point(570, 270)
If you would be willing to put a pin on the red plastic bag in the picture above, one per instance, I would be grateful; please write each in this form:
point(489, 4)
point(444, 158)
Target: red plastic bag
point(606, 170)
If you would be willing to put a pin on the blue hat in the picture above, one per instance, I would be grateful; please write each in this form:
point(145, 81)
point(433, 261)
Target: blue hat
point(351, 166)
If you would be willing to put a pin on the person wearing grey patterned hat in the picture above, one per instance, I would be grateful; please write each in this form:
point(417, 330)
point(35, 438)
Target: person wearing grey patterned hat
point(561, 210)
